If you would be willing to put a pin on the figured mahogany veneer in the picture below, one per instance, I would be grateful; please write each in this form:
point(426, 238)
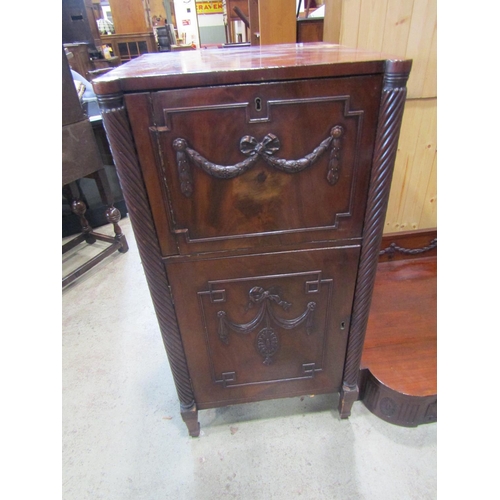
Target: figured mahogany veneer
point(205, 68)
point(257, 181)
point(402, 321)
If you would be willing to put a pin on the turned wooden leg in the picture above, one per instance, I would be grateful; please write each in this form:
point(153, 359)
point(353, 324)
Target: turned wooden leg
point(113, 216)
point(78, 207)
point(347, 397)
point(190, 417)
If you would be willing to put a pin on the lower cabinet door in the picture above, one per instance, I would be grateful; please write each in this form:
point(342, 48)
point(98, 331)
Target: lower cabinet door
point(265, 326)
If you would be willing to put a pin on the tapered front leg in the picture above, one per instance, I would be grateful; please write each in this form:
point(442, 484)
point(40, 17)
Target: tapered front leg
point(347, 397)
point(190, 417)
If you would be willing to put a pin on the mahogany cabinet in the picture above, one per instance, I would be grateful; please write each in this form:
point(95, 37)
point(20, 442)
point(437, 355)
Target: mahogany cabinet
point(257, 181)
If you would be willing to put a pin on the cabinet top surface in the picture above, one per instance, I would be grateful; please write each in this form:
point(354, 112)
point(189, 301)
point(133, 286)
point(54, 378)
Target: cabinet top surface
point(166, 70)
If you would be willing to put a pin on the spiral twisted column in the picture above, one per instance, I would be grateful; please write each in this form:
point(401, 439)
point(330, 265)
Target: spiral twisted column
point(122, 146)
point(388, 128)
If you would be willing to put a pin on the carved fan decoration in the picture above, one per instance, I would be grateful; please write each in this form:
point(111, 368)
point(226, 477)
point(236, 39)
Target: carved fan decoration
point(254, 150)
point(267, 343)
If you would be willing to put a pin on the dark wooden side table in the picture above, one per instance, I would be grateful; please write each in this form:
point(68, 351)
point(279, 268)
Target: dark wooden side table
point(257, 182)
point(81, 158)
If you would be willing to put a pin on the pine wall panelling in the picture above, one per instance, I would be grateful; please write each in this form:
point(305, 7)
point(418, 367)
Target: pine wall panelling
point(408, 29)
point(277, 23)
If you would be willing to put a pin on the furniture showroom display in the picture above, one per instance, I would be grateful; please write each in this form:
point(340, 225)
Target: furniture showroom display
point(257, 181)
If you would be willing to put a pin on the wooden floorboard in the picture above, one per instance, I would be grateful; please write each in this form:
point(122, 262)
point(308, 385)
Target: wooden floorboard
point(401, 339)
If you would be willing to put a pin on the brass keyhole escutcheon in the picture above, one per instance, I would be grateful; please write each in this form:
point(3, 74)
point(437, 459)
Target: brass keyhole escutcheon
point(258, 104)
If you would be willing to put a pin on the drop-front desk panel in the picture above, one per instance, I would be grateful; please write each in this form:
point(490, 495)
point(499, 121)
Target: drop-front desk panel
point(257, 181)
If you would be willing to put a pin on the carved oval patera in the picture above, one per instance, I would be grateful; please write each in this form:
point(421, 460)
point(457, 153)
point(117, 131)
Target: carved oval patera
point(267, 344)
point(388, 407)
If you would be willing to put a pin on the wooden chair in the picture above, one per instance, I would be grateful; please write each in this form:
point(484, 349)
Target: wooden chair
point(81, 158)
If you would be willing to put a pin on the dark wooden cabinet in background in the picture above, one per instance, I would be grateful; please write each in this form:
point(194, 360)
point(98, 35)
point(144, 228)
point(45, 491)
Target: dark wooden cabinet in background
point(257, 180)
point(131, 45)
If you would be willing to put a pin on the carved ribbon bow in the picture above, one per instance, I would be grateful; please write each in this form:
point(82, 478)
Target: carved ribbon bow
point(250, 146)
point(258, 294)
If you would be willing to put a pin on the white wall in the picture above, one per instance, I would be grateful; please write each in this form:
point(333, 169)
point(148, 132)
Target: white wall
point(187, 22)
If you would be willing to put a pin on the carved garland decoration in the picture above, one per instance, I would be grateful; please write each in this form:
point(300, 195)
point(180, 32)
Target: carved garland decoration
point(394, 247)
point(254, 150)
point(267, 342)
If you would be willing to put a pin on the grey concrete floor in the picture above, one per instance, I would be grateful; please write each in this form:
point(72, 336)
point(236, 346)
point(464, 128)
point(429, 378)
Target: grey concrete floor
point(123, 437)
